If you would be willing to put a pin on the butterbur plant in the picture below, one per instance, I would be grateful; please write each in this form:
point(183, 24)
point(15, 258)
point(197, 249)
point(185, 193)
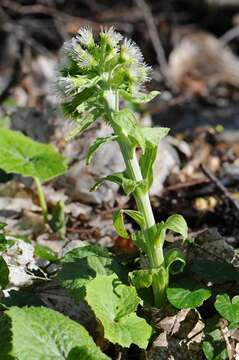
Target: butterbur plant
point(97, 77)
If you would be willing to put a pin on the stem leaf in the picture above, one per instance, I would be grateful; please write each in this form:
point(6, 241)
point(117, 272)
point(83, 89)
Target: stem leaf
point(177, 224)
point(128, 185)
point(175, 256)
point(140, 98)
point(118, 222)
point(97, 144)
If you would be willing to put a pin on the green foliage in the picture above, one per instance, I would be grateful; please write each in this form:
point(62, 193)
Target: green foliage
point(213, 344)
point(4, 273)
point(114, 304)
point(85, 353)
point(81, 265)
point(187, 294)
point(229, 309)
point(22, 155)
point(41, 334)
point(45, 253)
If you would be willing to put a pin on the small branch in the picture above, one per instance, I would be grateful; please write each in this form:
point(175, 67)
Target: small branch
point(154, 36)
point(220, 186)
point(230, 35)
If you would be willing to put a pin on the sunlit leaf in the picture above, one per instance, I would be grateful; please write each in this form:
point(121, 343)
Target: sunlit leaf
point(42, 334)
point(186, 294)
point(21, 155)
point(114, 304)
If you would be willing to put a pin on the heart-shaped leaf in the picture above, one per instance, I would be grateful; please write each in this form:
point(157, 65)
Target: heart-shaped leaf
point(41, 334)
point(227, 308)
point(114, 304)
point(186, 294)
point(21, 155)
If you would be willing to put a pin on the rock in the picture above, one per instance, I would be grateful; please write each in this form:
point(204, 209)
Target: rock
point(167, 161)
point(200, 61)
point(80, 178)
point(20, 261)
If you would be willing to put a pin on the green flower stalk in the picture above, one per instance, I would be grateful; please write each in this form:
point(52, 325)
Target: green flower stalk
point(97, 76)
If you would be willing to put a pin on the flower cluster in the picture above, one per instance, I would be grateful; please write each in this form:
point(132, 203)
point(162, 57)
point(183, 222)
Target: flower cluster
point(93, 66)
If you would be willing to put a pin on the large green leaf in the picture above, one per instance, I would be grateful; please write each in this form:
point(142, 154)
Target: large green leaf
point(215, 271)
point(114, 304)
point(97, 144)
point(213, 345)
point(21, 155)
point(227, 308)
point(186, 294)
point(81, 265)
point(38, 333)
point(4, 273)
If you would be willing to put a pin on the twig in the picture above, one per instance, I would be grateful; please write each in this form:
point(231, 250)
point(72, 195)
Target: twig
point(220, 186)
point(154, 36)
point(230, 35)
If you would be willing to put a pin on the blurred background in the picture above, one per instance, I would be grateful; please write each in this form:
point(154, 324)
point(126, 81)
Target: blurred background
point(193, 48)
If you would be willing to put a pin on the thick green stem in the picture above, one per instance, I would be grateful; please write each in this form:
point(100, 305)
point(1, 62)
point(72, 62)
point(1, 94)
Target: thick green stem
point(154, 254)
point(41, 197)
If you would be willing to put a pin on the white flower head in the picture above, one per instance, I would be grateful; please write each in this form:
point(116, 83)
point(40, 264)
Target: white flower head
point(85, 37)
point(65, 85)
point(82, 57)
point(130, 52)
point(110, 36)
